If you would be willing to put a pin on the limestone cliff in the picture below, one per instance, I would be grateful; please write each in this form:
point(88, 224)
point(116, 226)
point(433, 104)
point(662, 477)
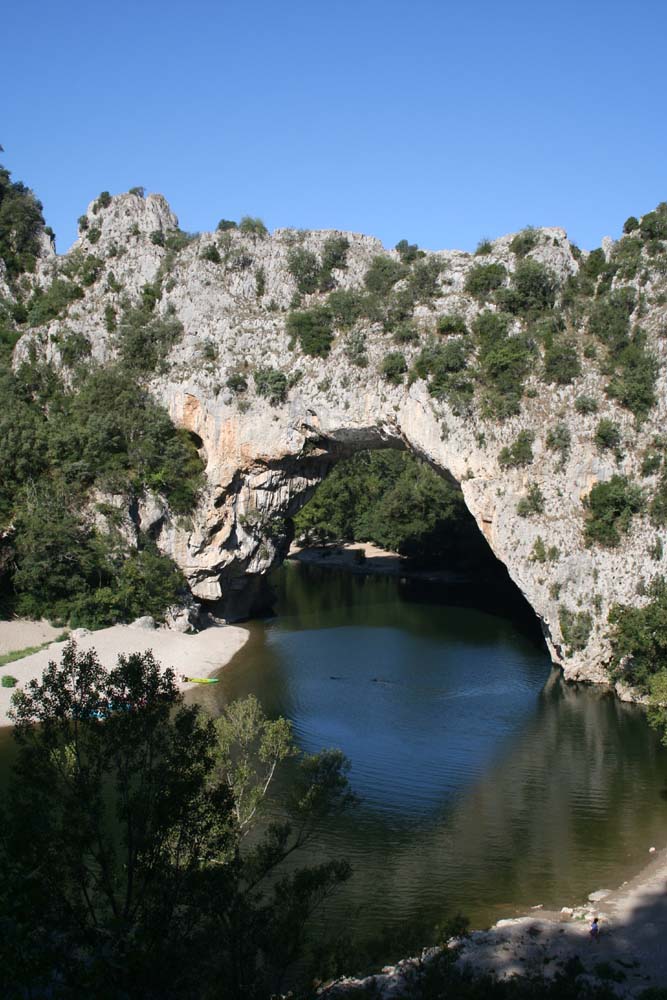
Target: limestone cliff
point(266, 453)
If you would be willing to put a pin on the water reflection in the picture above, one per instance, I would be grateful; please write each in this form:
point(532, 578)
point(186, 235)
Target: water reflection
point(484, 788)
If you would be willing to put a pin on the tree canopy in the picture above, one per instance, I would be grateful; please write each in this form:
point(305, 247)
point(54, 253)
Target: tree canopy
point(121, 844)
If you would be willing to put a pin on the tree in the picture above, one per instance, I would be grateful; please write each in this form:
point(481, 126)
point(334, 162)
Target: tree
point(125, 870)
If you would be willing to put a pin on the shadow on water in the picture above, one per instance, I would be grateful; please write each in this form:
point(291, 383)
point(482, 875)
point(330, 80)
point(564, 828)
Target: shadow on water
point(488, 785)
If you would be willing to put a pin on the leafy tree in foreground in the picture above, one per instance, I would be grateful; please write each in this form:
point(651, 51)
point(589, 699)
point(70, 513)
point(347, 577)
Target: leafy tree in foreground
point(124, 870)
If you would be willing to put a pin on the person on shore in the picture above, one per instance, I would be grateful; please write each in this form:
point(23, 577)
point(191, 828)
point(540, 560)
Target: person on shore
point(595, 929)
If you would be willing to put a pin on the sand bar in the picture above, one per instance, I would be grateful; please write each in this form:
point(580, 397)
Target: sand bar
point(196, 655)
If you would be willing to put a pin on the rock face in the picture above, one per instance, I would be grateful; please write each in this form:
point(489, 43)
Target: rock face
point(264, 459)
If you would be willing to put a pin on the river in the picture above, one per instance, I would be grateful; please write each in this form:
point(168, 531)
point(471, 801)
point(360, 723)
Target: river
point(487, 785)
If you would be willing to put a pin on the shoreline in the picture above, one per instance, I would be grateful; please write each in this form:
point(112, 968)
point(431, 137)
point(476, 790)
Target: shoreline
point(201, 654)
point(368, 559)
point(628, 956)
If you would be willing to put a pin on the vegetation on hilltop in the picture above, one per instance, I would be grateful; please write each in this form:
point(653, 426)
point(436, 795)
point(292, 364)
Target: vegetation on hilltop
point(21, 222)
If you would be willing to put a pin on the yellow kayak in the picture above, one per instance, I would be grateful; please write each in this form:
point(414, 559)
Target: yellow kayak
point(202, 680)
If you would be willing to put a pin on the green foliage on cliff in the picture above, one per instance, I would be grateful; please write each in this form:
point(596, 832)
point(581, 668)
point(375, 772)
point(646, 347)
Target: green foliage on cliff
point(383, 274)
point(576, 627)
point(519, 453)
point(58, 443)
point(484, 279)
point(394, 367)
point(503, 362)
point(398, 502)
point(639, 638)
point(21, 222)
point(312, 328)
point(611, 507)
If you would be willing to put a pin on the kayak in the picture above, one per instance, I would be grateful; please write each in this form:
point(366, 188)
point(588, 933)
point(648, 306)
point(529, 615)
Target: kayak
point(203, 680)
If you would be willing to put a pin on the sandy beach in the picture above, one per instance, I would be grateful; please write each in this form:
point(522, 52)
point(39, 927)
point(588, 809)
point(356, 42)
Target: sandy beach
point(197, 655)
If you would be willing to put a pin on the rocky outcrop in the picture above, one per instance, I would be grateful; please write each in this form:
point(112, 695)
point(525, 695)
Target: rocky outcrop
point(232, 292)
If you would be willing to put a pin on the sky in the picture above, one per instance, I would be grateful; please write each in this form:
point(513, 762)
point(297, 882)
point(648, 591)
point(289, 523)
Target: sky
point(441, 123)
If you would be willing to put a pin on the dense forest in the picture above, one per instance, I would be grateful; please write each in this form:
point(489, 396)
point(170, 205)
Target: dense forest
point(398, 502)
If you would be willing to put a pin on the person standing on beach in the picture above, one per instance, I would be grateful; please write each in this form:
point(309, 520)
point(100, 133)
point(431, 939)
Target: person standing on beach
point(595, 929)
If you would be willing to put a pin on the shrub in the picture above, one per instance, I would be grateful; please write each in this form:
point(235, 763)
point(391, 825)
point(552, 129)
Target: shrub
point(8, 681)
point(520, 452)
point(260, 282)
point(94, 235)
point(611, 506)
point(139, 190)
point(110, 322)
point(532, 503)
point(250, 226)
point(408, 252)
point(586, 404)
point(484, 247)
point(237, 383)
point(541, 554)
point(576, 627)
point(49, 305)
point(177, 240)
point(157, 237)
point(443, 365)
point(639, 637)
point(559, 439)
point(503, 364)
point(212, 254)
point(346, 307)
point(451, 323)
point(524, 242)
point(561, 362)
point(304, 267)
point(610, 318)
point(394, 367)
point(226, 224)
point(383, 274)
point(651, 462)
point(355, 349)
point(533, 288)
point(406, 332)
point(271, 384)
point(144, 341)
point(630, 224)
point(607, 435)
point(422, 282)
point(653, 226)
point(103, 201)
point(334, 255)
point(313, 329)
point(483, 279)
point(83, 223)
point(633, 382)
point(658, 508)
point(74, 347)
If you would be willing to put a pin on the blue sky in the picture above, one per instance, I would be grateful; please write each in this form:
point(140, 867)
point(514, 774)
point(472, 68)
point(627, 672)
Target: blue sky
point(435, 121)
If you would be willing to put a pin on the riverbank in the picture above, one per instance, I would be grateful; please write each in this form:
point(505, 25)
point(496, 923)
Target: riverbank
point(197, 655)
point(628, 956)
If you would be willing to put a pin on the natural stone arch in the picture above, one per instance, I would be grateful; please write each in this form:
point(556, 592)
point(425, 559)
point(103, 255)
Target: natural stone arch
point(263, 459)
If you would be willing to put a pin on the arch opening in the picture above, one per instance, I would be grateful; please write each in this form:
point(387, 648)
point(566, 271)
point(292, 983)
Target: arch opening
point(362, 486)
